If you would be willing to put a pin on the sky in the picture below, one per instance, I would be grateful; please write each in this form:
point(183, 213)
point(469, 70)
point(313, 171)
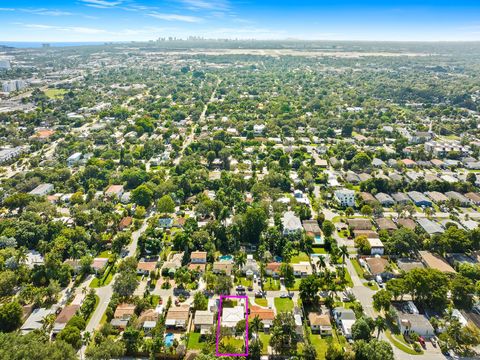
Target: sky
point(140, 20)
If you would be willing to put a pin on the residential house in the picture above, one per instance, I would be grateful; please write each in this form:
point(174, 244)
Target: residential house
point(386, 224)
point(204, 321)
point(359, 224)
point(177, 317)
point(251, 267)
point(414, 323)
point(125, 223)
point(273, 269)
point(266, 315)
point(74, 159)
point(232, 316)
point(35, 319)
point(99, 264)
point(434, 261)
point(401, 198)
point(165, 223)
point(376, 246)
point(473, 197)
point(122, 315)
point(430, 227)
point(114, 191)
point(419, 199)
point(146, 267)
point(64, 317)
point(302, 269)
point(42, 189)
point(320, 323)
point(378, 266)
point(462, 200)
point(437, 197)
point(367, 198)
point(173, 264)
point(291, 223)
point(344, 318)
point(223, 267)
point(407, 265)
point(345, 197)
point(198, 257)
point(407, 223)
point(385, 199)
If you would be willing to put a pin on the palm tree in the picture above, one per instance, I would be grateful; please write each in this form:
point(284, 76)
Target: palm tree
point(381, 325)
point(321, 262)
point(344, 253)
point(240, 260)
point(256, 324)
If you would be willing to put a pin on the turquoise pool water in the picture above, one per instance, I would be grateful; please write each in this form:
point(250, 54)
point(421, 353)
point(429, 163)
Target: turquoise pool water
point(318, 240)
point(169, 339)
point(225, 258)
point(278, 259)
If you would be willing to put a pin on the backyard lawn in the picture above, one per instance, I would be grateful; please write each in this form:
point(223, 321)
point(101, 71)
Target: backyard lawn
point(358, 268)
point(237, 343)
point(244, 281)
point(283, 304)
point(300, 257)
point(320, 344)
point(194, 341)
point(265, 339)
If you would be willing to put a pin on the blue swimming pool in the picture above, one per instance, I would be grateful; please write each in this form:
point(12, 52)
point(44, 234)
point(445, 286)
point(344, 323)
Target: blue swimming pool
point(169, 339)
point(318, 240)
point(225, 258)
point(278, 259)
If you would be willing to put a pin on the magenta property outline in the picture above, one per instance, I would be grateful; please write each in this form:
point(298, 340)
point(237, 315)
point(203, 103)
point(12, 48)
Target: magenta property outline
point(246, 323)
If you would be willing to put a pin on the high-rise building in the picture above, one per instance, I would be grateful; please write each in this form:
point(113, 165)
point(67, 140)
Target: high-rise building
point(13, 85)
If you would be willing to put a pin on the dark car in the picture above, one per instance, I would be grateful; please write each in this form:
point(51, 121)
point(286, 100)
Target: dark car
point(178, 292)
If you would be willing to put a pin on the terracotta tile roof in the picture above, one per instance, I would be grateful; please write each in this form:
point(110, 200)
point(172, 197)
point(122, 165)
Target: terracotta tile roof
point(262, 313)
point(318, 319)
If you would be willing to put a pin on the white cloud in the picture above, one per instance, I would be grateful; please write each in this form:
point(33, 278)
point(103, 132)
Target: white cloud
point(70, 29)
point(47, 12)
point(206, 4)
point(102, 4)
point(7, 9)
point(175, 17)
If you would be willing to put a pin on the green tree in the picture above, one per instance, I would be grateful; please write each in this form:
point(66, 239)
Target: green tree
point(328, 228)
point(200, 301)
point(8, 280)
point(142, 195)
point(166, 205)
point(373, 350)
point(107, 349)
point(366, 210)
point(71, 335)
point(286, 271)
point(463, 292)
point(284, 338)
point(361, 330)
point(382, 300)
point(309, 288)
point(10, 316)
point(125, 284)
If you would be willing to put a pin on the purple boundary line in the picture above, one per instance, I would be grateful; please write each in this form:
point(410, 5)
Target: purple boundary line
point(218, 326)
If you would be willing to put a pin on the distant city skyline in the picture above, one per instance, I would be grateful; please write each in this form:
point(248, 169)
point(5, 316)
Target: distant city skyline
point(142, 20)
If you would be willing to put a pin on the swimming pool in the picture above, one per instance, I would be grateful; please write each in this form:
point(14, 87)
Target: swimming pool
point(225, 258)
point(318, 240)
point(278, 259)
point(169, 339)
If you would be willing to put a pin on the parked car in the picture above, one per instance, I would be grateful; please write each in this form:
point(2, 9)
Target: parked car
point(433, 341)
point(421, 340)
point(285, 296)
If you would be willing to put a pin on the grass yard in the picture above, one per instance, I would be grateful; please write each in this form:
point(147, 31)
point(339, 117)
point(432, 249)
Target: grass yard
point(105, 280)
point(348, 279)
point(358, 268)
point(296, 286)
point(319, 250)
point(194, 341)
point(320, 344)
point(244, 281)
point(261, 302)
point(373, 287)
point(237, 343)
point(97, 300)
point(265, 339)
point(401, 345)
point(283, 304)
point(271, 284)
point(55, 93)
point(300, 257)
point(104, 254)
